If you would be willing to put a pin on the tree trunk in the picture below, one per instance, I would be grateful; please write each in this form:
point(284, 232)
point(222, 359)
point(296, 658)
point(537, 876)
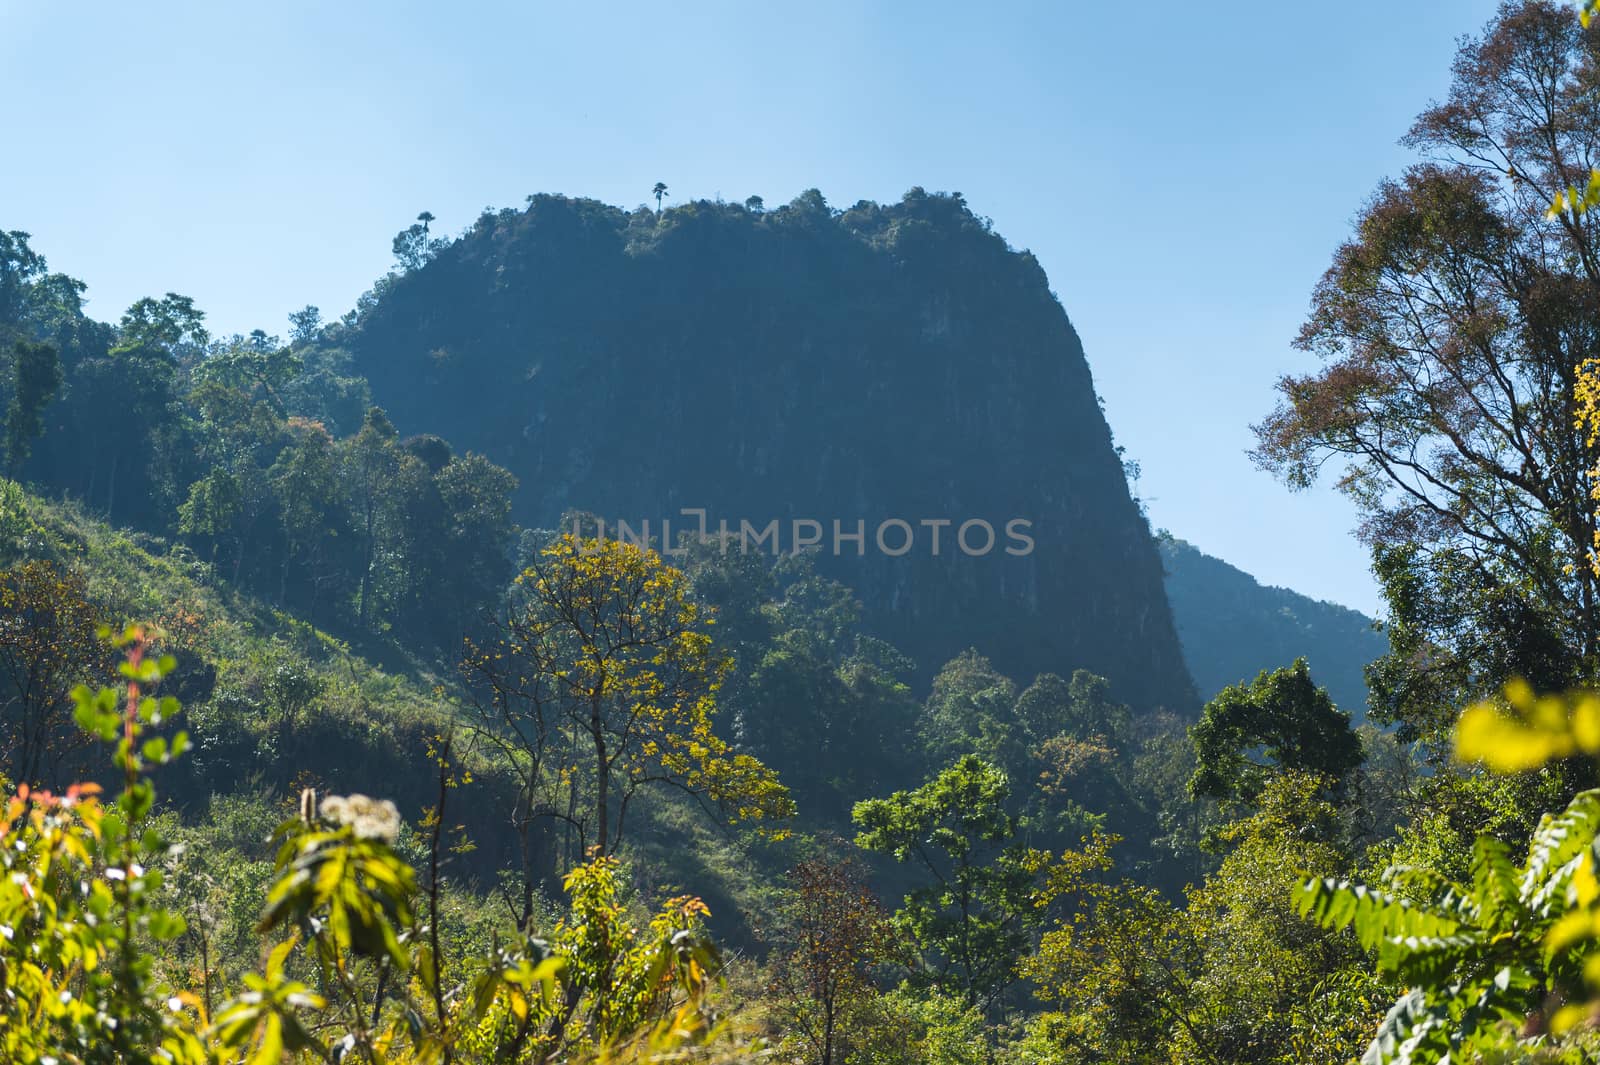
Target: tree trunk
point(602, 783)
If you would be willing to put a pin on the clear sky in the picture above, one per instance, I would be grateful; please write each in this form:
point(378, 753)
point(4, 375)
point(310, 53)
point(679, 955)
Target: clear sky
point(1182, 172)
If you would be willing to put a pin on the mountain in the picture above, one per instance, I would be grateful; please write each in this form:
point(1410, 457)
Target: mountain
point(894, 364)
point(1233, 627)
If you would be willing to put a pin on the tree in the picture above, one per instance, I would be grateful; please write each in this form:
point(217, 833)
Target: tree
point(833, 932)
point(256, 366)
point(20, 265)
point(304, 324)
point(311, 515)
point(1234, 976)
point(413, 246)
point(1280, 721)
point(1270, 986)
point(1452, 326)
point(370, 464)
point(604, 650)
point(972, 917)
point(659, 191)
point(232, 435)
point(1070, 739)
point(49, 642)
point(36, 377)
point(1124, 963)
point(970, 711)
point(476, 497)
point(169, 329)
point(826, 707)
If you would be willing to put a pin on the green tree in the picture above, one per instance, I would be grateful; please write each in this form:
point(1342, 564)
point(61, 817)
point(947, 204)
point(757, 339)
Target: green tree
point(475, 495)
point(135, 384)
point(35, 380)
point(371, 463)
point(256, 366)
point(1280, 721)
point(20, 266)
point(413, 246)
point(304, 324)
point(971, 711)
point(313, 522)
point(971, 919)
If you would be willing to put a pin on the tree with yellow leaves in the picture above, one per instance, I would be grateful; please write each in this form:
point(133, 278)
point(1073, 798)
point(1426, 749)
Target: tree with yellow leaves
point(603, 678)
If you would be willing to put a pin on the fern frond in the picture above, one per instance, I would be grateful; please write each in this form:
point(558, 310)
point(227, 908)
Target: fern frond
point(1412, 1027)
point(1374, 915)
point(1494, 880)
point(1554, 850)
point(1430, 961)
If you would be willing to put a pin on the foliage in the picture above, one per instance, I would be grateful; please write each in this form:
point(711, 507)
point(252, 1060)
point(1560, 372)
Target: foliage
point(48, 643)
point(833, 933)
point(81, 907)
point(255, 453)
point(36, 377)
point(923, 1027)
point(808, 692)
point(1234, 975)
point(16, 528)
point(1453, 324)
point(1507, 958)
point(604, 678)
point(971, 919)
point(1280, 721)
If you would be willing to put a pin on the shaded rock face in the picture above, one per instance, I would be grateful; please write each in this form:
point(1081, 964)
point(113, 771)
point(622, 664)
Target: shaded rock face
point(885, 362)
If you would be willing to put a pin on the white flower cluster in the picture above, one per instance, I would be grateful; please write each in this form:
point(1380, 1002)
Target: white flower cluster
point(371, 818)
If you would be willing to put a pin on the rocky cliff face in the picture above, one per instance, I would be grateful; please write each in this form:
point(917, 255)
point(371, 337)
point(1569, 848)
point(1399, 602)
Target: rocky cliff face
point(800, 365)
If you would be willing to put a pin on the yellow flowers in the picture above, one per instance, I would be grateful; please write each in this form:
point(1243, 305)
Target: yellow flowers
point(1538, 730)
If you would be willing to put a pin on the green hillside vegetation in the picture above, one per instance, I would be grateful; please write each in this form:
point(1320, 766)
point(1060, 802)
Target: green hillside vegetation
point(327, 739)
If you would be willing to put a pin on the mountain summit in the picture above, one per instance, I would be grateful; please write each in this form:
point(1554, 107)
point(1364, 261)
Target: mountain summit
point(896, 372)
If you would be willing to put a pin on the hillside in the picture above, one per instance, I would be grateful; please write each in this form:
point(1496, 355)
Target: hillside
point(853, 367)
point(1233, 627)
point(274, 704)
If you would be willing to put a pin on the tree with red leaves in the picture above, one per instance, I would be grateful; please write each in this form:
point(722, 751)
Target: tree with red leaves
point(1451, 327)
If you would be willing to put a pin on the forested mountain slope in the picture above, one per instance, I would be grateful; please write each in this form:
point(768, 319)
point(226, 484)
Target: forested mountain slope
point(884, 362)
point(1233, 627)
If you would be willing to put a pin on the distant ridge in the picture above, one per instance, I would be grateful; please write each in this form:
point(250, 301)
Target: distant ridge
point(1231, 627)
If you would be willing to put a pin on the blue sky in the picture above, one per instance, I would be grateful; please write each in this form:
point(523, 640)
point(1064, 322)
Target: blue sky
point(1183, 173)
